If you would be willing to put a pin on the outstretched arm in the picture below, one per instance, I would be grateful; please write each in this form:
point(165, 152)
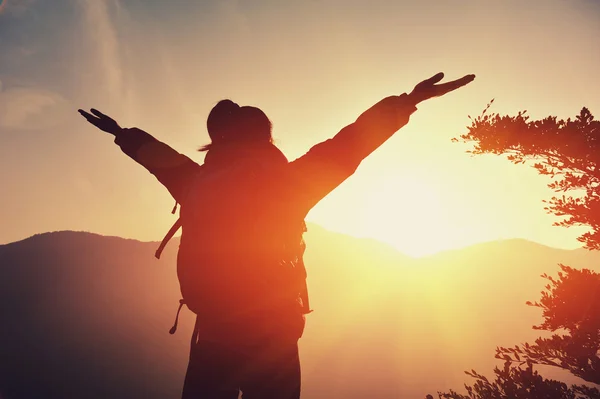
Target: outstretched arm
point(331, 162)
point(171, 168)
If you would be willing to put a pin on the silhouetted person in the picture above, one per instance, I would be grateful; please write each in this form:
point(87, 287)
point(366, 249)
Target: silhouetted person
point(240, 256)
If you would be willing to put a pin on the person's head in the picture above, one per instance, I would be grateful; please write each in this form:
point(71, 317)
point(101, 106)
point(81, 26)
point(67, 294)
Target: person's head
point(230, 124)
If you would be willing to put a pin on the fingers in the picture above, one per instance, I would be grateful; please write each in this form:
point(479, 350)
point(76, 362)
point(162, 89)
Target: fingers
point(429, 89)
point(94, 120)
point(87, 115)
point(466, 79)
point(100, 114)
point(455, 84)
point(434, 79)
point(428, 84)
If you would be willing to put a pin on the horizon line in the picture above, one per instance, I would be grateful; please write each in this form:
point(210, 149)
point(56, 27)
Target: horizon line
point(365, 239)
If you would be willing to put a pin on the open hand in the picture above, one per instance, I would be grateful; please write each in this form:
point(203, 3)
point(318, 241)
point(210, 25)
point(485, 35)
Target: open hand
point(101, 121)
point(428, 89)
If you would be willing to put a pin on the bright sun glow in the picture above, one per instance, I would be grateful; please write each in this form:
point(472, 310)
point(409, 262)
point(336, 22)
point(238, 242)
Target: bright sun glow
point(408, 213)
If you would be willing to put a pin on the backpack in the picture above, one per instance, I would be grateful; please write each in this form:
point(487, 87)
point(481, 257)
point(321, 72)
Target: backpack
point(238, 234)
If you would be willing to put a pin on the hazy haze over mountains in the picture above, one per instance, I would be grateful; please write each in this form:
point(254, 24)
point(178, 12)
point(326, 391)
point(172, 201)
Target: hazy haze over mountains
point(85, 315)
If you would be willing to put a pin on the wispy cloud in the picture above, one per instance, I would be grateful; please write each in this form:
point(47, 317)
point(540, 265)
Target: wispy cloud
point(27, 108)
point(103, 37)
point(15, 6)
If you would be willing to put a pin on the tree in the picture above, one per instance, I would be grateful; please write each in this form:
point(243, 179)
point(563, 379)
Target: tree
point(568, 152)
point(519, 383)
point(571, 303)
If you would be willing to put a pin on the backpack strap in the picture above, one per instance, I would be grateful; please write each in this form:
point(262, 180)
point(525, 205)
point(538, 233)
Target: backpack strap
point(304, 288)
point(304, 291)
point(174, 328)
point(168, 237)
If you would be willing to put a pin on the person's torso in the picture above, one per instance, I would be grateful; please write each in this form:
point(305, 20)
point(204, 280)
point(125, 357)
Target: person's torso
point(240, 243)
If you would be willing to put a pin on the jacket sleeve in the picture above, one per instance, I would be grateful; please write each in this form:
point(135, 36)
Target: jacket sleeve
point(171, 168)
point(326, 165)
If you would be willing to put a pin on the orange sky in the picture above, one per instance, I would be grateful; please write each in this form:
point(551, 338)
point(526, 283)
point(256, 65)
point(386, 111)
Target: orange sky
point(313, 67)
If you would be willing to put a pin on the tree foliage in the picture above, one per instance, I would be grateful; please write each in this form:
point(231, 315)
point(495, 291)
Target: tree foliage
point(567, 151)
point(514, 382)
point(571, 304)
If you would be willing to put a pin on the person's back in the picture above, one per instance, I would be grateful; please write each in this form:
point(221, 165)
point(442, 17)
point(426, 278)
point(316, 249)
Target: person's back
point(241, 246)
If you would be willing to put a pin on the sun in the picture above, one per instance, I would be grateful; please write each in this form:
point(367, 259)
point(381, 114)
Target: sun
point(410, 213)
point(415, 213)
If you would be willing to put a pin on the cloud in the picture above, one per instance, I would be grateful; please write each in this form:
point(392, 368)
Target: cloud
point(15, 6)
point(28, 108)
point(103, 36)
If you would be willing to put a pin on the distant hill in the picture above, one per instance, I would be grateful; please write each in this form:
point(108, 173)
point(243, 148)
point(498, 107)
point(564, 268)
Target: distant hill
point(87, 316)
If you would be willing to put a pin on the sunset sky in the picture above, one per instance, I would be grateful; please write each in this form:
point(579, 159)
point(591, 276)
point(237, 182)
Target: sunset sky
point(313, 67)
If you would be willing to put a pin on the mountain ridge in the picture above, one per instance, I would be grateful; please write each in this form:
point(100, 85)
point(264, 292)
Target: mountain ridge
point(312, 226)
point(385, 325)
